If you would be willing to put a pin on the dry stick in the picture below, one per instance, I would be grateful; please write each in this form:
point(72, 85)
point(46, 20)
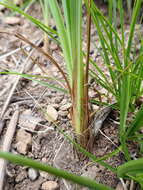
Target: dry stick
point(11, 93)
point(123, 184)
point(132, 185)
point(6, 144)
point(85, 129)
point(87, 59)
point(6, 88)
point(14, 87)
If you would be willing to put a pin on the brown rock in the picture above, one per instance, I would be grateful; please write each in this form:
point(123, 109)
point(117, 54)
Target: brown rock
point(24, 140)
point(50, 185)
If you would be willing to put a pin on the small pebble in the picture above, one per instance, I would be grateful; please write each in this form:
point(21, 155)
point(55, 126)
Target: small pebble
point(32, 174)
point(57, 100)
point(53, 46)
point(47, 176)
point(52, 114)
point(23, 140)
point(50, 185)
point(65, 107)
point(63, 113)
point(13, 20)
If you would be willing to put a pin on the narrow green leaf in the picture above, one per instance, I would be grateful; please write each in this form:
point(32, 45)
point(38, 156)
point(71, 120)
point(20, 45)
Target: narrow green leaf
point(43, 83)
point(133, 167)
point(137, 123)
point(20, 160)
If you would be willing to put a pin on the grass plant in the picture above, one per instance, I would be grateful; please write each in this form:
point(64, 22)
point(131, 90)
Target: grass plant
point(120, 73)
point(125, 68)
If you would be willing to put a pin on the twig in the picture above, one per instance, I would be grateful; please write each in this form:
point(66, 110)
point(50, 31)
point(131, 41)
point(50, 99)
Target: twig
point(6, 88)
point(108, 138)
point(7, 143)
point(14, 86)
point(123, 183)
point(38, 132)
point(132, 185)
point(11, 92)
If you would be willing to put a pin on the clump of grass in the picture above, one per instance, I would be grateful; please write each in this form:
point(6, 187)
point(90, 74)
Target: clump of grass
point(124, 83)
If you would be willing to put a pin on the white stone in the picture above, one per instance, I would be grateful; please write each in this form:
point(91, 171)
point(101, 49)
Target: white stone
point(32, 174)
point(52, 114)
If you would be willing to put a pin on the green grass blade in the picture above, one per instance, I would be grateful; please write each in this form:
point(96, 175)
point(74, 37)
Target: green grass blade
point(137, 123)
point(102, 83)
point(109, 155)
point(125, 90)
point(124, 106)
point(43, 83)
point(62, 33)
point(133, 167)
point(132, 27)
point(20, 160)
